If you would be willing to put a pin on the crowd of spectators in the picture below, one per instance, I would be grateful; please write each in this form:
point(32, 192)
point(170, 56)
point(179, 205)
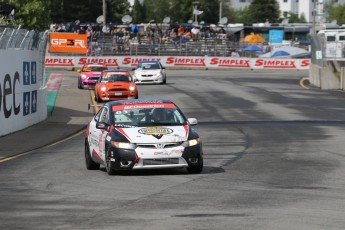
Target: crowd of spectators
point(151, 33)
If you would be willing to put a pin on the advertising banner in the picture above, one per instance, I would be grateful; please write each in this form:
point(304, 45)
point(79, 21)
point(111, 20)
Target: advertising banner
point(184, 62)
point(23, 99)
point(68, 43)
point(276, 36)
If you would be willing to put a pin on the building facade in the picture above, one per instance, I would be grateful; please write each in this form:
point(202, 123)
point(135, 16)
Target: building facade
point(305, 7)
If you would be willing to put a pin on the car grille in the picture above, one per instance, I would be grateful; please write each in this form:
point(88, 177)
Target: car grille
point(117, 89)
point(164, 161)
point(159, 146)
point(94, 78)
point(147, 75)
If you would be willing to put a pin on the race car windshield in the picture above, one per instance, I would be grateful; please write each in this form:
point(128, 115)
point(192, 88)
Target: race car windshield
point(148, 117)
point(96, 68)
point(115, 77)
point(147, 66)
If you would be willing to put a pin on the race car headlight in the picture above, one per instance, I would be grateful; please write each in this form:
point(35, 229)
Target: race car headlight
point(190, 143)
point(83, 76)
point(136, 75)
point(123, 145)
point(158, 74)
point(132, 87)
point(103, 88)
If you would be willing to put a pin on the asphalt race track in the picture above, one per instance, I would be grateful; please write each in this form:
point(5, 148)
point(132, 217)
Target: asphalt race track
point(274, 159)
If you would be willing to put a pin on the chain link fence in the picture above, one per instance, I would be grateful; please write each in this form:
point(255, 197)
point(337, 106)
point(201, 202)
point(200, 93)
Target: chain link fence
point(22, 39)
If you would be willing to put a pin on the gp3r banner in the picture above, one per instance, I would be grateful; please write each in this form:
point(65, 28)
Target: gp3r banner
point(68, 43)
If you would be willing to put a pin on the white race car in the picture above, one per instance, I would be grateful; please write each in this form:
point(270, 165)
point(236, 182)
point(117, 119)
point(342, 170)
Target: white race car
point(142, 134)
point(150, 72)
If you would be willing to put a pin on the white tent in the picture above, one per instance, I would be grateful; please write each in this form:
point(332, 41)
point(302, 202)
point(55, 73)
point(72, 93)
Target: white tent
point(289, 49)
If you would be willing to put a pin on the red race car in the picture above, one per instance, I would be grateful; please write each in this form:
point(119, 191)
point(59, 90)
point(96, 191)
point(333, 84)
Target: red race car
point(115, 85)
point(89, 75)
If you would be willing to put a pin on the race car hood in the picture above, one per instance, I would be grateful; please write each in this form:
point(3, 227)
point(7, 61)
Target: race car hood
point(148, 72)
point(155, 134)
point(117, 85)
point(92, 74)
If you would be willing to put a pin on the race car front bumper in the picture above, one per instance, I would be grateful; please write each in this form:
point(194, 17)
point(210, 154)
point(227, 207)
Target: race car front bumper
point(129, 159)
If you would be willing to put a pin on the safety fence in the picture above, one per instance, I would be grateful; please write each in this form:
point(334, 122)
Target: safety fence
point(22, 86)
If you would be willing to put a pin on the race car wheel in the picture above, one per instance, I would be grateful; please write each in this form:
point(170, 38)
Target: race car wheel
point(108, 165)
point(195, 165)
point(90, 164)
point(165, 81)
point(79, 84)
point(97, 98)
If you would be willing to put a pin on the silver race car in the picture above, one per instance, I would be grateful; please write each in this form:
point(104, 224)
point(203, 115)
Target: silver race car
point(150, 72)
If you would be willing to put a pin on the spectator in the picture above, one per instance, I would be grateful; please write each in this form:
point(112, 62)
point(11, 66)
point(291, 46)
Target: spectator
point(195, 33)
point(234, 53)
point(135, 30)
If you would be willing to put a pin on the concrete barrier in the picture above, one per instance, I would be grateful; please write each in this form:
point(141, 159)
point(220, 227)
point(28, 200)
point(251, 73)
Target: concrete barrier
point(22, 95)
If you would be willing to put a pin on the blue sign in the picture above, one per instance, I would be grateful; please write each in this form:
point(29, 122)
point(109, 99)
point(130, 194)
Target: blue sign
point(26, 103)
point(26, 73)
point(276, 36)
point(34, 101)
point(33, 72)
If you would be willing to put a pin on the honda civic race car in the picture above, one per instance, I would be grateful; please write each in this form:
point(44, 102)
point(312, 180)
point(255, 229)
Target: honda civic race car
point(150, 72)
point(142, 134)
point(89, 75)
point(115, 85)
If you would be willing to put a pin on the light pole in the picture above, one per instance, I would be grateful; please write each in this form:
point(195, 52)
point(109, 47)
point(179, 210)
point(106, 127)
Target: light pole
point(104, 13)
point(220, 10)
point(195, 7)
point(314, 15)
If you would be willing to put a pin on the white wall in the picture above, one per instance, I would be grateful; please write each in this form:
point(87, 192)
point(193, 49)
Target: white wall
point(22, 98)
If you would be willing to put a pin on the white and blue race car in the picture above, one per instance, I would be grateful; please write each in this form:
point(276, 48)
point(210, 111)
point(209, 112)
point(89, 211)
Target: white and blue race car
point(142, 134)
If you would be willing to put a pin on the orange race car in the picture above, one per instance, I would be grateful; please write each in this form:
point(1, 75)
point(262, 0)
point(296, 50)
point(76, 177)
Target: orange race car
point(89, 75)
point(115, 85)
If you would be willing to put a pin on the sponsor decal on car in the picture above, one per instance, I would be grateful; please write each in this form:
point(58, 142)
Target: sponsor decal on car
point(157, 132)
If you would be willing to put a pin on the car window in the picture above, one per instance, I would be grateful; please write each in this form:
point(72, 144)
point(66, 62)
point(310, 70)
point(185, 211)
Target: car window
point(98, 114)
point(116, 77)
point(150, 66)
point(104, 117)
point(96, 68)
point(148, 117)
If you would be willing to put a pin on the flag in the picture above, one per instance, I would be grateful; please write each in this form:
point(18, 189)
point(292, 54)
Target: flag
point(197, 12)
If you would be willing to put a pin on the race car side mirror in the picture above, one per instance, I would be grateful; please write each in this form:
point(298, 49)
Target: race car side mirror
point(102, 125)
point(192, 121)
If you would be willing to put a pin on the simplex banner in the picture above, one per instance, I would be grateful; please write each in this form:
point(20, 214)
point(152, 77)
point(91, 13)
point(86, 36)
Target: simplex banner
point(179, 61)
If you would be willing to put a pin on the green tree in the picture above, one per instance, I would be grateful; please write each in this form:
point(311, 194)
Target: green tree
point(157, 10)
point(336, 12)
point(264, 10)
point(181, 10)
point(294, 18)
point(210, 10)
point(116, 9)
point(139, 11)
point(31, 15)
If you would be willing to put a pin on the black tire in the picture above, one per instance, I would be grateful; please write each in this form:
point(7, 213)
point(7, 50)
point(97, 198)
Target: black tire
point(79, 84)
point(108, 165)
point(165, 81)
point(137, 96)
point(194, 168)
point(90, 164)
point(97, 98)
